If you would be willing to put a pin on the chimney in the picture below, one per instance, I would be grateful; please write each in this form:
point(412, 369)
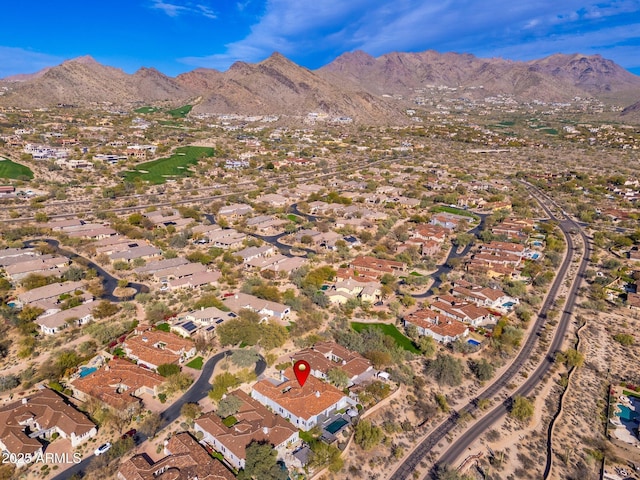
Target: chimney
point(265, 430)
point(201, 308)
point(24, 401)
point(282, 377)
point(317, 393)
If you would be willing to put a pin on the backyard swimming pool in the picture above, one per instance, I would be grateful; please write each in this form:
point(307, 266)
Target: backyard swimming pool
point(508, 304)
point(535, 256)
point(625, 413)
point(84, 371)
point(473, 342)
point(336, 425)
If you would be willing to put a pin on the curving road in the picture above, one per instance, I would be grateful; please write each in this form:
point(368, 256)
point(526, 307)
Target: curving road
point(453, 254)
point(457, 448)
point(109, 282)
point(198, 390)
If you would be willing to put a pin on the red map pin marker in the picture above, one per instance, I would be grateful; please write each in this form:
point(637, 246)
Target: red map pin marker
point(302, 369)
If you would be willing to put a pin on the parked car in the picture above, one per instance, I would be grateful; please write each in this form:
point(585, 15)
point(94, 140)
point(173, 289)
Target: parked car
point(130, 434)
point(102, 449)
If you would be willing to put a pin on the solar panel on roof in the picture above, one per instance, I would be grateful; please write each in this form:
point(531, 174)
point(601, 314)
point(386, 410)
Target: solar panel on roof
point(189, 326)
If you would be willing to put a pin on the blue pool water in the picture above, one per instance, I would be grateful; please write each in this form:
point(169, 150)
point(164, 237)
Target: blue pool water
point(336, 425)
point(537, 243)
point(535, 256)
point(508, 304)
point(84, 371)
point(11, 304)
point(625, 412)
point(473, 342)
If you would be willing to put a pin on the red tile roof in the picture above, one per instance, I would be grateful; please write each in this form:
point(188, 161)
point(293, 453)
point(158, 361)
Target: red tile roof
point(47, 409)
point(116, 382)
point(254, 422)
point(188, 460)
point(304, 402)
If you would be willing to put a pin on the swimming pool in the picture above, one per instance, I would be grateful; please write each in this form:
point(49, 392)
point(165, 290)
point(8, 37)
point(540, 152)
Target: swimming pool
point(508, 304)
point(535, 256)
point(537, 243)
point(336, 425)
point(625, 413)
point(473, 342)
point(84, 371)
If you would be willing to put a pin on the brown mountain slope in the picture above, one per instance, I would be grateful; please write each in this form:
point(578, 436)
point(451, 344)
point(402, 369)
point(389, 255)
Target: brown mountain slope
point(200, 80)
point(84, 81)
point(592, 74)
point(555, 78)
point(279, 86)
point(632, 111)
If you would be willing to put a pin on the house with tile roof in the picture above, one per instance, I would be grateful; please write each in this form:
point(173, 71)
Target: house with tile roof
point(186, 460)
point(55, 322)
point(153, 348)
point(463, 311)
point(119, 384)
point(39, 416)
point(325, 356)
point(265, 308)
point(304, 406)
point(492, 298)
point(49, 294)
point(45, 265)
point(442, 329)
point(372, 267)
point(253, 422)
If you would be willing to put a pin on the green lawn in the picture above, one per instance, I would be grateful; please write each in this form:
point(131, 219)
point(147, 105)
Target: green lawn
point(230, 421)
point(177, 165)
point(455, 211)
point(146, 110)
point(390, 330)
point(180, 112)
point(196, 363)
point(9, 169)
point(629, 393)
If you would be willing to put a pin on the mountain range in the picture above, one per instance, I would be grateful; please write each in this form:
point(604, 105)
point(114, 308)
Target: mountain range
point(354, 85)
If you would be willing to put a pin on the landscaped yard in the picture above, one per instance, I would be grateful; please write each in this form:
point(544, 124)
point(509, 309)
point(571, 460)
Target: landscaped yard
point(9, 169)
point(177, 165)
point(146, 110)
point(196, 363)
point(390, 330)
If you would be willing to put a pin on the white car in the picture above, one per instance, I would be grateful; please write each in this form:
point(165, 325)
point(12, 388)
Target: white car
point(102, 449)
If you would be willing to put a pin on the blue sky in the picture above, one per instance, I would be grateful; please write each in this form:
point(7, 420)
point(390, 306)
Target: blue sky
point(175, 36)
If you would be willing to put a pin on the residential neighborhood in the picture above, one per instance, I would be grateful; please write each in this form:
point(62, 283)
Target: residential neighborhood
point(165, 271)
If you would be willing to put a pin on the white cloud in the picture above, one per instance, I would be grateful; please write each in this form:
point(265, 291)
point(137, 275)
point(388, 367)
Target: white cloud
point(207, 11)
point(170, 9)
point(304, 28)
point(19, 60)
point(188, 8)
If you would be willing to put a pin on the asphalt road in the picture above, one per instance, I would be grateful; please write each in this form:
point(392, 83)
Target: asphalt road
point(457, 448)
point(198, 390)
point(109, 282)
point(453, 253)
